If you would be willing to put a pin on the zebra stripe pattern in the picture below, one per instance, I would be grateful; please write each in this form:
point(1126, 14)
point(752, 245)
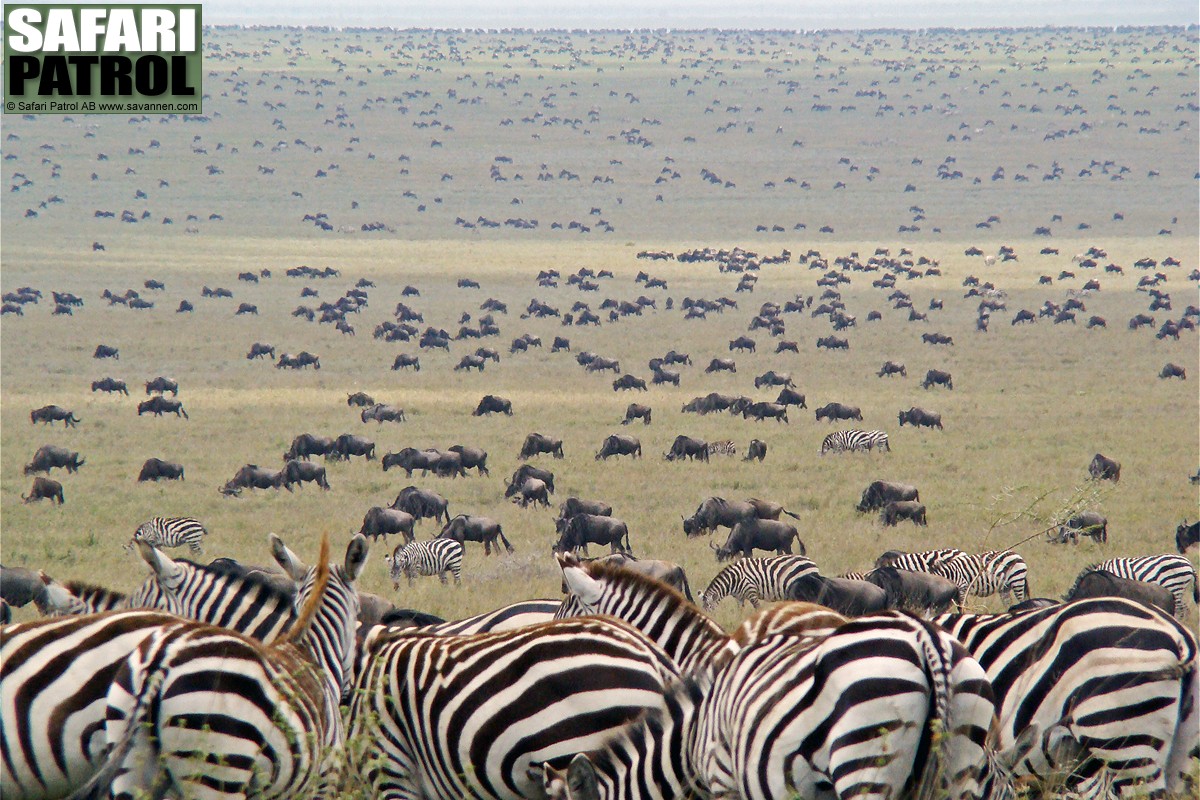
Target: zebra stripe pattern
point(726, 447)
point(986, 573)
point(754, 580)
point(1173, 573)
point(170, 532)
point(1111, 683)
point(855, 440)
point(506, 618)
point(431, 557)
point(449, 717)
point(924, 561)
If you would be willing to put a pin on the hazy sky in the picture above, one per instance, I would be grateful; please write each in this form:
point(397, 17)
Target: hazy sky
point(803, 14)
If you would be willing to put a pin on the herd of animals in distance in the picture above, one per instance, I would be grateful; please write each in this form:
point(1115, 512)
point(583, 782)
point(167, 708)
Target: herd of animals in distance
point(770, 346)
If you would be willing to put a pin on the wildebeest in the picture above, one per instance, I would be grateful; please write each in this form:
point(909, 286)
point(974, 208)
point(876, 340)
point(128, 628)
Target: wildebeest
point(846, 596)
point(891, 368)
point(380, 521)
point(560, 343)
point(406, 360)
point(618, 444)
point(532, 490)
point(491, 404)
point(259, 350)
point(937, 338)
point(44, 488)
point(1102, 583)
point(536, 443)
point(1103, 468)
point(919, 592)
point(573, 506)
point(422, 504)
point(409, 459)
point(110, 385)
point(636, 411)
point(162, 385)
point(920, 418)
point(880, 493)
point(753, 533)
point(663, 375)
point(1024, 315)
point(628, 382)
point(1088, 523)
point(348, 445)
point(524, 473)
point(20, 586)
point(1186, 536)
point(773, 378)
point(468, 528)
point(741, 344)
point(295, 471)
point(307, 444)
point(761, 411)
point(836, 411)
point(471, 457)
point(663, 571)
point(577, 532)
point(721, 365)
point(833, 343)
point(158, 405)
point(600, 363)
point(687, 447)
point(1173, 371)
point(790, 397)
point(896, 510)
point(361, 399)
point(382, 412)
point(939, 378)
point(715, 512)
point(252, 476)
point(104, 351)
point(756, 451)
point(50, 456)
point(470, 361)
point(51, 414)
point(155, 469)
point(298, 361)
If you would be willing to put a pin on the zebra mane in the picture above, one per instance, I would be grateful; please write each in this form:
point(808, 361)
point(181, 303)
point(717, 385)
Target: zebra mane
point(95, 595)
point(312, 603)
point(234, 571)
point(641, 584)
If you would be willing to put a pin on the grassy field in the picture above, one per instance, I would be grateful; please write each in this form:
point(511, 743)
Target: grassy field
point(1030, 407)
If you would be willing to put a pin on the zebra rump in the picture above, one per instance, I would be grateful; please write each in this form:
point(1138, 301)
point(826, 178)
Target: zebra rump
point(754, 580)
point(1173, 573)
point(170, 532)
point(855, 440)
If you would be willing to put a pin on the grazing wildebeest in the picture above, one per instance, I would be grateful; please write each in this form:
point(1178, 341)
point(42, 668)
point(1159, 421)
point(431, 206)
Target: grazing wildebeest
point(847, 596)
point(158, 404)
point(715, 512)
point(790, 397)
point(104, 351)
point(833, 343)
point(761, 411)
point(686, 446)
point(836, 411)
point(1102, 583)
point(524, 473)
point(787, 347)
point(619, 445)
point(406, 360)
point(600, 363)
point(409, 459)
point(298, 361)
point(721, 365)
point(536, 443)
point(470, 361)
point(937, 338)
point(756, 451)
point(920, 418)
point(1173, 371)
point(471, 457)
point(260, 349)
point(531, 491)
point(636, 411)
point(44, 488)
point(1103, 468)
point(896, 510)
point(110, 385)
point(306, 445)
point(50, 456)
point(919, 592)
point(573, 506)
point(382, 412)
point(752, 533)
point(445, 463)
point(1088, 523)
point(891, 368)
point(628, 382)
point(422, 504)
point(1139, 321)
point(348, 445)
point(467, 528)
point(1024, 315)
point(741, 344)
point(1186, 536)
point(51, 414)
point(939, 378)
point(491, 404)
point(295, 471)
point(252, 476)
point(880, 493)
point(577, 532)
point(1095, 321)
point(662, 571)
point(361, 399)
point(380, 521)
point(664, 375)
point(560, 343)
point(773, 378)
point(155, 469)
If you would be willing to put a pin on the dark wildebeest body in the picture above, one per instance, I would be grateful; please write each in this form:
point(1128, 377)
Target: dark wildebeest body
point(470, 361)
point(406, 360)
point(920, 418)
point(104, 351)
point(936, 377)
point(348, 445)
point(664, 375)
point(51, 456)
point(573, 506)
point(721, 365)
point(162, 385)
point(110, 385)
point(773, 378)
point(307, 444)
point(836, 411)
point(918, 592)
point(42, 489)
point(663, 571)
point(382, 412)
point(619, 445)
point(253, 476)
point(1187, 536)
point(532, 490)
point(752, 533)
point(295, 471)
point(1087, 523)
point(467, 528)
point(155, 469)
point(742, 344)
point(51, 414)
point(422, 504)
point(259, 350)
point(380, 521)
point(491, 404)
point(628, 383)
point(577, 532)
point(1102, 583)
point(891, 368)
point(158, 405)
point(756, 451)
point(600, 363)
point(937, 338)
point(20, 586)
point(636, 411)
point(761, 411)
point(1103, 468)
point(833, 343)
point(471, 457)
point(527, 471)
point(1173, 371)
point(560, 343)
point(852, 598)
point(687, 447)
point(536, 443)
point(790, 397)
point(361, 399)
point(880, 493)
point(897, 510)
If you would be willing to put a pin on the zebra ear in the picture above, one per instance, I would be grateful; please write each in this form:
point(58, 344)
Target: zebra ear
point(582, 585)
point(165, 569)
point(356, 556)
point(291, 564)
point(57, 600)
point(581, 779)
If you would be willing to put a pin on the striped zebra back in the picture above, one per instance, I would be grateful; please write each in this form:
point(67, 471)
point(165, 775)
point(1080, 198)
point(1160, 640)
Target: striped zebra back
point(796, 618)
point(855, 440)
point(427, 557)
point(693, 640)
point(756, 579)
point(505, 618)
point(1173, 572)
point(170, 532)
point(725, 447)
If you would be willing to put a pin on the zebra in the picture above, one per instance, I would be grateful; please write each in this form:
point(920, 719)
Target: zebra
point(202, 710)
point(1111, 682)
point(884, 706)
point(506, 618)
point(54, 672)
point(431, 557)
point(986, 573)
point(449, 717)
point(855, 440)
point(923, 561)
point(754, 580)
point(1170, 571)
point(795, 618)
point(726, 447)
point(170, 532)
point(689, 637)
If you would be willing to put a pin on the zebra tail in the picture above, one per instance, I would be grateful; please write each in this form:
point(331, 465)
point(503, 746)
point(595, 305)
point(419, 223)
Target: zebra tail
point(938, 654)
point(304, 619)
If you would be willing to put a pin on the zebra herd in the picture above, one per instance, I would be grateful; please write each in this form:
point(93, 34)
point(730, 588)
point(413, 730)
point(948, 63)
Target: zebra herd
point(210, 683)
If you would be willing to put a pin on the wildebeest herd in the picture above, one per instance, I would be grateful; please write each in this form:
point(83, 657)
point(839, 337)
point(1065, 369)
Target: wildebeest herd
point(784, 454)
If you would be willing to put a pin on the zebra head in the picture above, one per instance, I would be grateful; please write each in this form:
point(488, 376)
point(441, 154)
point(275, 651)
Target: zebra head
point(162, 590)
point(57, 600)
